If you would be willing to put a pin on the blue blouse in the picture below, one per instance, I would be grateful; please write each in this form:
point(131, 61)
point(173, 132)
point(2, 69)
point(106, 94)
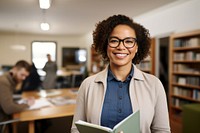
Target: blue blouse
point(117, 103)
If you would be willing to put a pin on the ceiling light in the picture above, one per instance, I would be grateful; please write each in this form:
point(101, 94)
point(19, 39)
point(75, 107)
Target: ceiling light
point(45, 4)
point(44, 26)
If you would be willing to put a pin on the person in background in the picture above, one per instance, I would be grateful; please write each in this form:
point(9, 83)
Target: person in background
point(8, 83)
point(32, 82)
point(50, 68)
point(111, 95)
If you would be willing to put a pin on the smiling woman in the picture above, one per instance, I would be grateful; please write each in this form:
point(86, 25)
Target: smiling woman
point(121, 89)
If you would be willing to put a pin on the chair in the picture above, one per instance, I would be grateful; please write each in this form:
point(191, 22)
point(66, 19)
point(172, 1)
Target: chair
point(191, 118)
point(76, 80)
point(4, 123)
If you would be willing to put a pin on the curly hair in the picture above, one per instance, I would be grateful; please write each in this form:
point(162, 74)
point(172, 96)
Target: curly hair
point(105, 28)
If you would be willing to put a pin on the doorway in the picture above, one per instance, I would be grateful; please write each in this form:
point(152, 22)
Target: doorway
point(163, 62)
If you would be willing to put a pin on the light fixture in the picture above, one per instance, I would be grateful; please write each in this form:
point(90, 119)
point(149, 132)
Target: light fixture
point(45, 4)
point(44, 26)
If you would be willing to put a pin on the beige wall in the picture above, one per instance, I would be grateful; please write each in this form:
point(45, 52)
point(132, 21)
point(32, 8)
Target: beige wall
point(174, 18)
point(8, 55)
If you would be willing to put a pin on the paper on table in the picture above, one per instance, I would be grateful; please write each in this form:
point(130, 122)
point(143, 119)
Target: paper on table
point(39, 103)
point(62, 100)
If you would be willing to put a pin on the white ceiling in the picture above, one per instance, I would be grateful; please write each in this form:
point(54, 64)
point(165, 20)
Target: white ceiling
point(69, 17)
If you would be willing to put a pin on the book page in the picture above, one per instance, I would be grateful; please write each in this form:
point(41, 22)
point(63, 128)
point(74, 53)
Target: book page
point(130, 124)
point(84, 127)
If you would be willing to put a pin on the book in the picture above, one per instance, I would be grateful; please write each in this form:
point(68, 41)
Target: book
point(130, 124)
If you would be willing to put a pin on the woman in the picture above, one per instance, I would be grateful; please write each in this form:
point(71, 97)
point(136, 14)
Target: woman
point(121, 89)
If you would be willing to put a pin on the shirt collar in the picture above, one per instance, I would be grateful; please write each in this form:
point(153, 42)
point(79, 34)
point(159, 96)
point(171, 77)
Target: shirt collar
point(111, 76)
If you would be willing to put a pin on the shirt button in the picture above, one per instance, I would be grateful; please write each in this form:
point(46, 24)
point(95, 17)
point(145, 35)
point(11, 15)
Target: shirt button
point(120, 85)
point(120, 97)
point(120, 110)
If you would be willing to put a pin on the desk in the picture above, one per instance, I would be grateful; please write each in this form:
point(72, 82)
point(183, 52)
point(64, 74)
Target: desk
point(46, 112)
point(64, 73)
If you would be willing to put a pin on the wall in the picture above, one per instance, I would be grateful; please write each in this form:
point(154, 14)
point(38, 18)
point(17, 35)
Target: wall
point(8, 55)
point(180, 16)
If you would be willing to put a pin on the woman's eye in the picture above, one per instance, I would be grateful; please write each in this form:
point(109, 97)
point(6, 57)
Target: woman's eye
point(128, 41)
point(114, 41)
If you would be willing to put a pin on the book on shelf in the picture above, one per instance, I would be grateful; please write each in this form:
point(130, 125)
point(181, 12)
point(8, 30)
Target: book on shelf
point(182, 92)
point(196, 95)
point(187, 80)
point(180, 102)
point(189, 56)
point(130, 124)
point(192, 42)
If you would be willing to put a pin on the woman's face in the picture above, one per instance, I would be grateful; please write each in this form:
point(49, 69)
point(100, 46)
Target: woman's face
point(120, 55)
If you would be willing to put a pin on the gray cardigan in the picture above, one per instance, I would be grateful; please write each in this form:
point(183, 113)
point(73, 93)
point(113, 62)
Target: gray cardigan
point(146, 92)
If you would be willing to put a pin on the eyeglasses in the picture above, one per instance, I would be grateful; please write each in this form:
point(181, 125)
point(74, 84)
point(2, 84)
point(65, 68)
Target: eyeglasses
point(128, 42)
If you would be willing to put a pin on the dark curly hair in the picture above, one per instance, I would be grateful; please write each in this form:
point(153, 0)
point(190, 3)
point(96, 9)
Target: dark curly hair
point(104, 29)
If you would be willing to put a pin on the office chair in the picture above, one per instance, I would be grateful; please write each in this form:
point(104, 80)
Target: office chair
point(4, 123)
point(76, 80)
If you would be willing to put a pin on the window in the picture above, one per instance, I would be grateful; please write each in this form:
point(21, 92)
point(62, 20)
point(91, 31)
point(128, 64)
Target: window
point(39, 52)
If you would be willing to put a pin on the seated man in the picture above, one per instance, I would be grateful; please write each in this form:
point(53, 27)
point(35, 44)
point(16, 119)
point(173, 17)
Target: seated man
point(8, 83)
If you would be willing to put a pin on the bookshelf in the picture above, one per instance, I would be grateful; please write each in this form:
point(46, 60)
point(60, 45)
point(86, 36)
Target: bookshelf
point(148, 64)
point(184, 77)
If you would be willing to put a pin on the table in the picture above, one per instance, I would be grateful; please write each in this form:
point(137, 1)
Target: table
point(46, 112)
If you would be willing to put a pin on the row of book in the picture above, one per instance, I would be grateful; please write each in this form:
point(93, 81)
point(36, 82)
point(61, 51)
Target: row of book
point(186, 68)
point(189, 55)
point(194, 94)
point(187, 80)
point(191, 42)
point(180, 102)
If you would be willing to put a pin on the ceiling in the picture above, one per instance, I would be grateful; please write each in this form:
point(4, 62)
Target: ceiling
point(68, 17)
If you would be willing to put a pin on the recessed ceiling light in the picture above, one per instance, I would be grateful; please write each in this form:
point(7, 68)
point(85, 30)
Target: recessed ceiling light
point(45, 4)
point(44, 26)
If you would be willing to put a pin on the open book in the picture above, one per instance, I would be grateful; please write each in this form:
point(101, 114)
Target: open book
point(130, 124)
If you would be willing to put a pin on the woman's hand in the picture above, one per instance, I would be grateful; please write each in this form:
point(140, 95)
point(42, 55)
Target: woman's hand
point(121, 132)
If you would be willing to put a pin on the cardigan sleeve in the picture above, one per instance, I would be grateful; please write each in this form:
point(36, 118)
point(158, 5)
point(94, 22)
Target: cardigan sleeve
point(160, 122)
point(80, 113)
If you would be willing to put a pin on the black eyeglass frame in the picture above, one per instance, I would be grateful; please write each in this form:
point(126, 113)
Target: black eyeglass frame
point(122, 40)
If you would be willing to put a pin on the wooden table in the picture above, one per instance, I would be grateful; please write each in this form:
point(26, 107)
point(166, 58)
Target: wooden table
point(46, 112)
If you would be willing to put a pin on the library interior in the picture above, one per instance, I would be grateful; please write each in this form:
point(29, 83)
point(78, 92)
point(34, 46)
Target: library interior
point(59, 37)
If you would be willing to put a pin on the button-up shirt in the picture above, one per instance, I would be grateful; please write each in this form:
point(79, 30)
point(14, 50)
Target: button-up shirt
point(117, 104)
